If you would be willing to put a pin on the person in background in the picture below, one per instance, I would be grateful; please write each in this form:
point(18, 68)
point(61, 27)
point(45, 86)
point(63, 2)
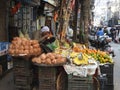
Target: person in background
point(113, 33)
point(70, 33)
point(106, 30)
point(117, 30)
point(109, 33)
point(99, 32)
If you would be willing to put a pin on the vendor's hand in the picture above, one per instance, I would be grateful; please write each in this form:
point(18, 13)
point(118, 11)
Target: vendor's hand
point(46, 36)
point(43, 38)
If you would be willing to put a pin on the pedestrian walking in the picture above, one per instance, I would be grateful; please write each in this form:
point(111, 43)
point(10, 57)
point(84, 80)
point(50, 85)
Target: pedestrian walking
point(113, 33)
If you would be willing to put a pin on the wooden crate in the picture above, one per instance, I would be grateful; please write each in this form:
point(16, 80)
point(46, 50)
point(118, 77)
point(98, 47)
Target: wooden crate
point(47, 78)
point(80, 83)
point(22, 70)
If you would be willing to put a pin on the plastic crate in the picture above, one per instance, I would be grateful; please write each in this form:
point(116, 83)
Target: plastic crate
point(80, 83)
point(109, 87)
point(109, 79)
point(102, 81)
point(47, 78)
point(107, 69)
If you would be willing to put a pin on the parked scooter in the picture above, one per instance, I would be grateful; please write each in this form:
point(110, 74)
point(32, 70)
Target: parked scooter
point(102, 43)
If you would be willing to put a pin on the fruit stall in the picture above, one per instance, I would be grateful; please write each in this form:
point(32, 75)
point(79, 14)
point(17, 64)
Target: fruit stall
point(67, 67)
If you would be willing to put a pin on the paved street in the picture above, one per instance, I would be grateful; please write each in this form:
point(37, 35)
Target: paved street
point(6, 83)
point(116, 66)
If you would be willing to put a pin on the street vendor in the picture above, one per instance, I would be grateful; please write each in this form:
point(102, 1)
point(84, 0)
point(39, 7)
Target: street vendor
point(43, 34)
point(45, 38)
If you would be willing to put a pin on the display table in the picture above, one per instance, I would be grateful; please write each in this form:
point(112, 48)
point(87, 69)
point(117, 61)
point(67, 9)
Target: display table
point(82, 70)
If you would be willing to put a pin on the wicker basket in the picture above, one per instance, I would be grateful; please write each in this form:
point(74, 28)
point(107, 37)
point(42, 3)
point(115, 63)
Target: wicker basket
point(47, 78)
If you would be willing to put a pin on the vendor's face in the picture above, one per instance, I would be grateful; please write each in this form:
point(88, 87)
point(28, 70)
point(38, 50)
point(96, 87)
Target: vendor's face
point(45, 33)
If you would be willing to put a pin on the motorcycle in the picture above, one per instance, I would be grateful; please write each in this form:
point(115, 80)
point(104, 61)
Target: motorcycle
point(102, 43)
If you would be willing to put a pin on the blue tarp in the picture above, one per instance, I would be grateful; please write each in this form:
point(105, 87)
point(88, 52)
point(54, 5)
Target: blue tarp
point(4, 46)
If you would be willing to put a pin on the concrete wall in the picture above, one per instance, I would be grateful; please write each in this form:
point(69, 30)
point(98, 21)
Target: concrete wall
point(3, 33)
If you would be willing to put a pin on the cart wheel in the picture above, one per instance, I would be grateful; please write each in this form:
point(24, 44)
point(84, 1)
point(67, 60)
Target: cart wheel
point(62, 81)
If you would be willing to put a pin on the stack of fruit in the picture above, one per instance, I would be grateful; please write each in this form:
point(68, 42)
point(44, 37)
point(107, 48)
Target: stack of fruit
point(49, 59)
point(101, 56)
point(24, 46)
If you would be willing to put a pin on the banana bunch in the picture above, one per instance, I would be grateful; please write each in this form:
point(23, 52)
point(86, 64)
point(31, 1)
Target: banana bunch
point(80, 59)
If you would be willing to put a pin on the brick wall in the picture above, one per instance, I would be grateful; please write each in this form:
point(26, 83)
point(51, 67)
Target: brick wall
point(3, 31)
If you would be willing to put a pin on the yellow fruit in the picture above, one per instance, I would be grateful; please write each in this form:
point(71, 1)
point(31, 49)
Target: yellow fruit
point(74, 54)
point(77, 61)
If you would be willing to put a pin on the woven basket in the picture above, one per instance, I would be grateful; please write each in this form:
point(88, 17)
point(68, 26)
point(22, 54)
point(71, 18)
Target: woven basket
point(47, 78)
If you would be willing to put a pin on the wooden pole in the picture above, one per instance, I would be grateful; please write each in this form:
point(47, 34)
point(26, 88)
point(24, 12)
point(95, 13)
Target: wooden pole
point(75, 21)
point(84, 21)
